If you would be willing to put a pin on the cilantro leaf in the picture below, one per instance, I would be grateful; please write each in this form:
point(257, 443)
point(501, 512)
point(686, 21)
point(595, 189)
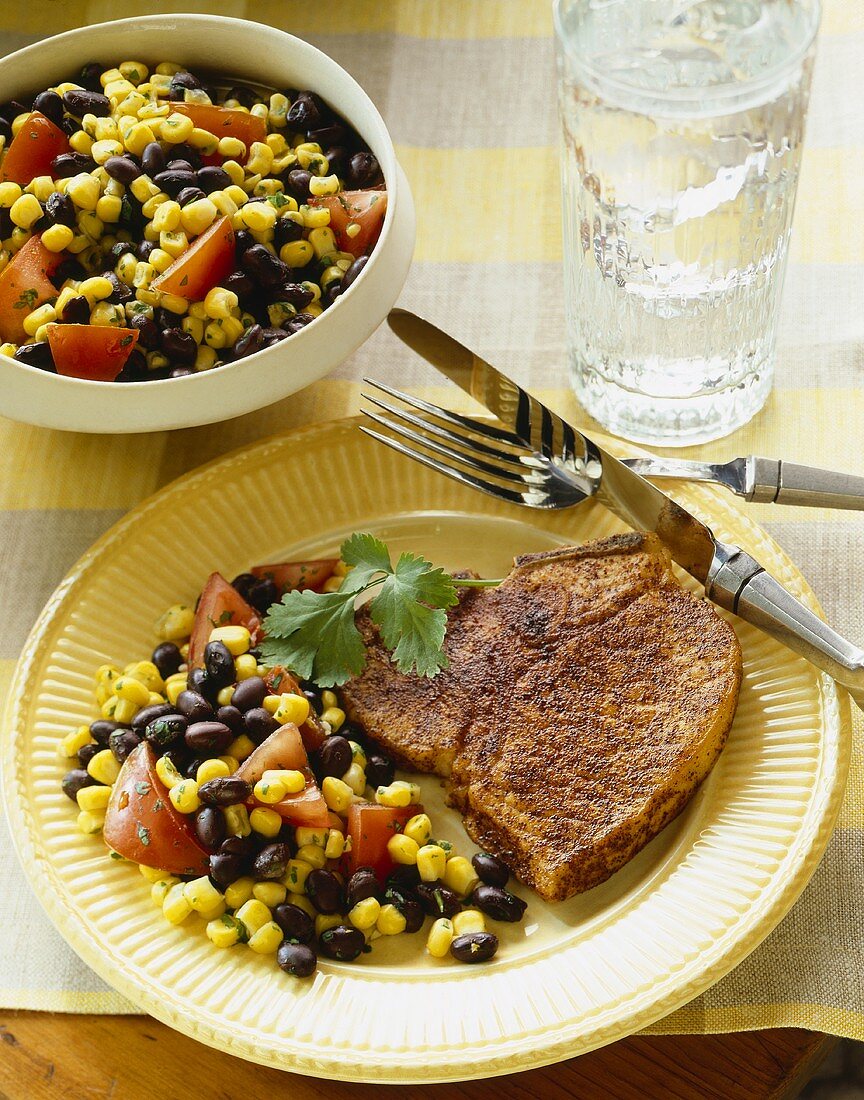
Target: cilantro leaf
point(409, 626)
point(313, 634)
point(367, 556)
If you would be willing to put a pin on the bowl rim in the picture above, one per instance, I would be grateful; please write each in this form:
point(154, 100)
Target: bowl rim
point(388, 167)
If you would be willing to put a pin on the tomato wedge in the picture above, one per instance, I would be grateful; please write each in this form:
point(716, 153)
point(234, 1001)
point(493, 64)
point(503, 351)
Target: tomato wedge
point(307, 809)
point(204, 264)
point(142, 824)
point(220, 605)
point(370, 827)
point(363, 208)
point(291, 575)
point(32, 149)
point(224, 121)
point(96, 352)
point(25, 283)
point(282, 751)
point(280, 681)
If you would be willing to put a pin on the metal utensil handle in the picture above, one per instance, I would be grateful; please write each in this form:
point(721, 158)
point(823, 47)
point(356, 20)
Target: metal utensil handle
point(741, 585)
point(771, 480)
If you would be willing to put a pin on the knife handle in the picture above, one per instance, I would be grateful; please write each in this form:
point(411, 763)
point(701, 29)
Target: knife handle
point(740, 584)
point(773, 481)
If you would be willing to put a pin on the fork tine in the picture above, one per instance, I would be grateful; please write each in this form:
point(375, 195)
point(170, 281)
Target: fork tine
point(507, 457)
point(449, 452)
point(458, 475)
point(490, 431)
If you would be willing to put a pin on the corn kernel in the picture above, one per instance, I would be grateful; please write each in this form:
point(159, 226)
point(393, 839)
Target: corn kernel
point(236, 639)
point(237, 820)
point(174, 242)
point(311, 853)
point(324, 185)
point(239, 892)
point(323, 241)
point(101, 151)
point(469, 920)
point(258, 215)
point(159, 889)
point(136, 72)
point(269, 791)
point(225, 695)
point(184, 796)
point(440, 937)
point(177, 622)
point(174, 685)
point(94, 799)
point(305, 151)
point(84, 191)
point(139, 136)
point(109, 208)
point(254, 914)
point(205, 359)
point(397, 794)
point(73, 742)
point(220, 302)
point(305, 834)
point(278, 110)
point(241, 747)
point(175, 907)
point(314, 217)
point(431, 862)
point(143, 188)
point(166, 216)
point(334, 717)
point(335, 845)
point(267, 939)
point(225, 931)
point(402, 849)
point(201, 894)
point(265, 822)
point(292, 780)
point(365, 913)
point(232, 147)
point(196, 216)
point(460, 875)
point(292, 708)
point(161, 261)
point(355, 777)
point(271, 893)
point(146, 673)
point(419, 828)
point(9, 193)
point(81, 142)
point(390, 921)
point(337, 795)
point(26, 211)
point(41, 316)
point(153, 874)
point(90, 823)
point(296, 874)
point(211, 769)
point(103, 767)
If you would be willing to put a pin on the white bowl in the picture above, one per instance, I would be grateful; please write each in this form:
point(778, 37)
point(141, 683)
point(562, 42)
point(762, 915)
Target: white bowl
point(261, 54)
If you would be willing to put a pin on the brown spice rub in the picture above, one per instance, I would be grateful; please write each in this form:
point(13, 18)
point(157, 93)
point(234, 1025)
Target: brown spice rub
point(587, 698)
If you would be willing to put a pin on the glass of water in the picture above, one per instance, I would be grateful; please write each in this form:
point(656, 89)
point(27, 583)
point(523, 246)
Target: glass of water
point(682, 129)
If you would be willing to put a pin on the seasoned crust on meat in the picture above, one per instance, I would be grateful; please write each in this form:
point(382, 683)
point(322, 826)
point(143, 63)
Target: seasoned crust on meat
point(587, 698)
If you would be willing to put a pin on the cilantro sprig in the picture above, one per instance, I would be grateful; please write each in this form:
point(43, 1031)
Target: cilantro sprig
point(314, 633)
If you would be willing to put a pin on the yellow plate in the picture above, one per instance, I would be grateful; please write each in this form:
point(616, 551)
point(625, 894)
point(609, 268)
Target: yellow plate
point(571, 977)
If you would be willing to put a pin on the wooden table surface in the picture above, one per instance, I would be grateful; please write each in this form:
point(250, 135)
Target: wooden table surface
point(46, 1056)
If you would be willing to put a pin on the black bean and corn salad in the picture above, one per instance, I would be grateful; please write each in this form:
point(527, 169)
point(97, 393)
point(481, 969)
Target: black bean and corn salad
point(151, 227)
point(250, 801)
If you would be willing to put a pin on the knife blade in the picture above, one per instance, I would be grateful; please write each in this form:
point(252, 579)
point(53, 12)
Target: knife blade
point(635, 500)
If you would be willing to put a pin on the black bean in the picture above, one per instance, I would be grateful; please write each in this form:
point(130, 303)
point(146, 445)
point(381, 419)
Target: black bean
point(188, 154)
point(329, 135)
point(243, 582)
point(101, 730)
point(267, 270)
point(164, 318)
point(179, 164)
point(190, 194)
point(437, 899)
point(294, 922)
point(144, 249)
point(172, 180)
point(182, 80)
point(198, 680)
point(153, 159)
point(213, 178)
point(75, 780)
point(50, 105)
point(408, 905)
point(70, 164)
point(232, 718)
point(324, 890)
point(404, 877)
point(293, 293)
point(225, 868)
point(337, 159)
point(243, 240)
point(246, 97)
point(210, 827)
point(123, 742)
point(69, 269)
point(362, 884)
point(70, 125)
point(313, 694)
point(149, 334)
point(251, 341)
point(219, 663)
point(121, 294)
point(179, 757)
point(240, 284)
point(298, 959)
point(76, 311)
point(208, 738)
point(343, 943)
point(331, 292)
point(474, 947)
point(264, 594)
point(307, 112)
point(259, 724)
point(11, 110)
point(285, 231)
point(498, 903)
point(224, 791)
point(492, 870)
point(194, 706)
point(90, 76)
point(297, 183)
point(353, 271)
point(6, 130)
point(249, 693)
point(87, 752)
point(36, 355)
point(179, 346)
point(380, 770)
point(122, 168)
point(333, 757)
point(60, 209)
point(149, 714)
point(363, 169)
point(272, 861)
point(165, 731)
point(192, 767)
point(80, 102)
point(299, 322)
point(166, 657)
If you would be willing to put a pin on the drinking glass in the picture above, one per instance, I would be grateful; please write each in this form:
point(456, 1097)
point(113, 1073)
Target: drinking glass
point(682, 131)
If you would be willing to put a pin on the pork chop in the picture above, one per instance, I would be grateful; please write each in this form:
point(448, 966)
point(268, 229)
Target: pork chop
point(587, 698)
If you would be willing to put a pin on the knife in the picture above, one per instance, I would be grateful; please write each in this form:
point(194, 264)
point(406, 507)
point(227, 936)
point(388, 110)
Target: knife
point(731, 577)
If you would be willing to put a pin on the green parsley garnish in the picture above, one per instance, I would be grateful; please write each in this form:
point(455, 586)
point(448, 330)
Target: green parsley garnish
point(314, 633)
point(143, 834)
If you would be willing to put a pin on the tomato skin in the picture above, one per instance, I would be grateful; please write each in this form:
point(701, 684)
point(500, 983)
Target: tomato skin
point(141, 823)
point(289, 576)
point(25, 283)
point(95, 352)
point(279, 681)
point(220, 605)
point(307, 809)
point(224, 122)
point(204, 264)
point(370, 826)
point(363, 208)
point(32, 149)
point(282, 751)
